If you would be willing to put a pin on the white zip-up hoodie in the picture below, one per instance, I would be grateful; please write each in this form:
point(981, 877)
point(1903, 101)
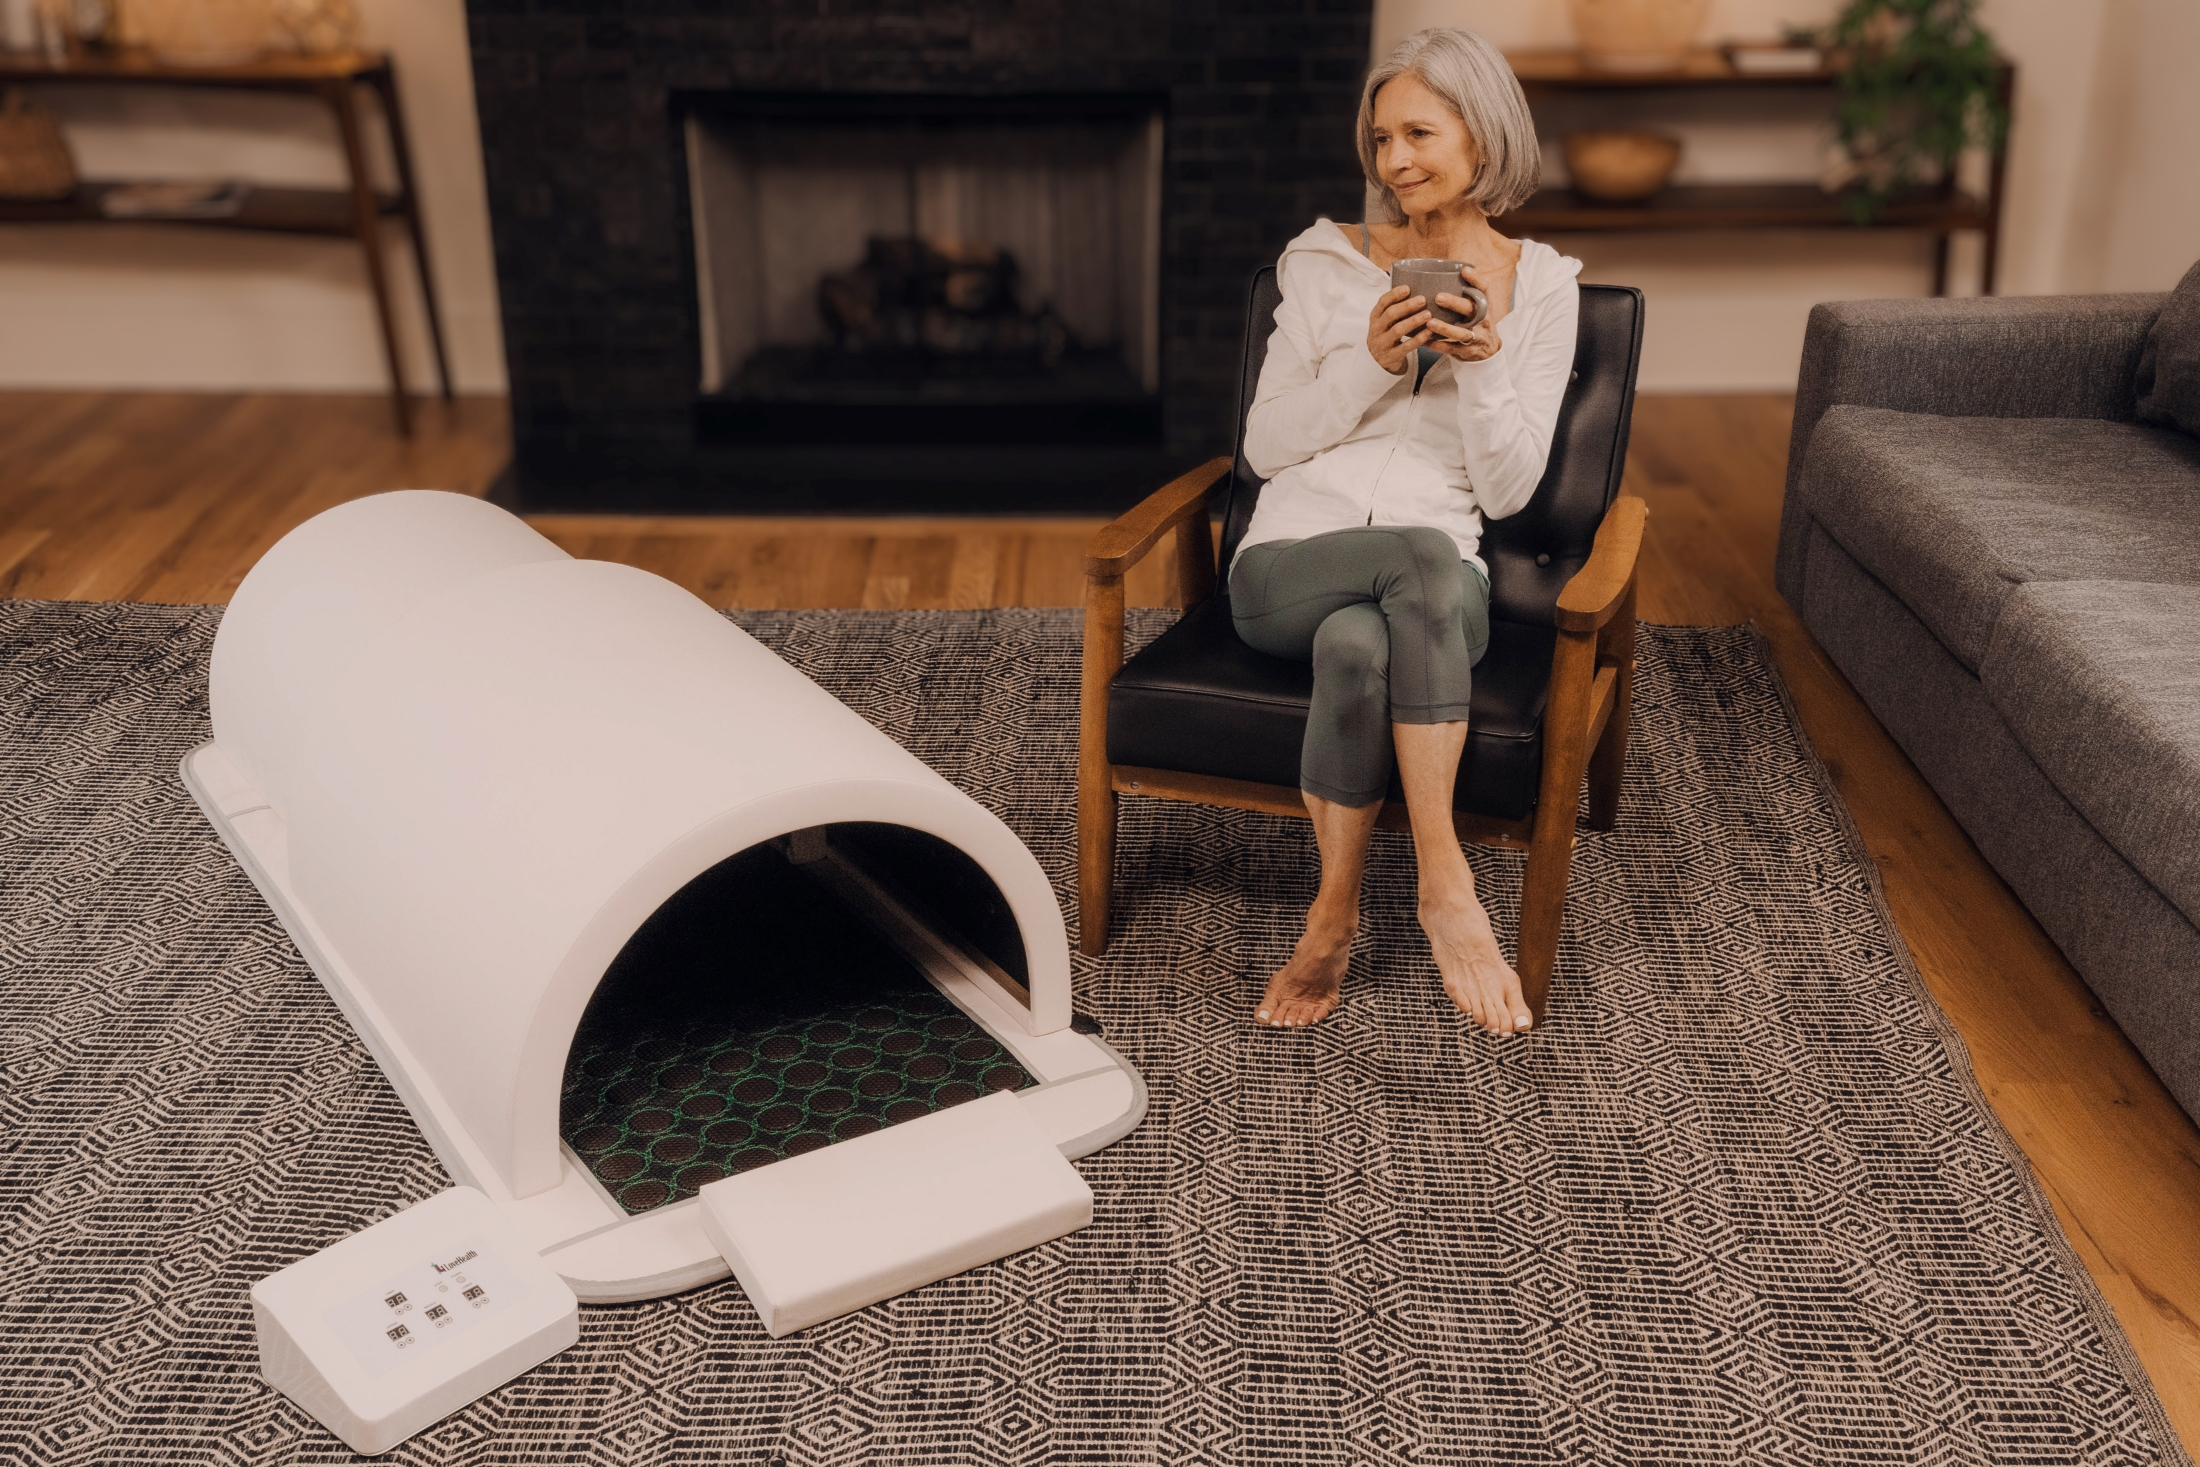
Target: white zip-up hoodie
point(1342, 442)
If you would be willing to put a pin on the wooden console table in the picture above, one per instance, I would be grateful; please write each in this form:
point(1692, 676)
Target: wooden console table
point(1940, 211)
point(355, 211)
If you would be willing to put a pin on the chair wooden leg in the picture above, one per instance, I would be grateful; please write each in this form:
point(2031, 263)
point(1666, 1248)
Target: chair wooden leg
point(1096, 798)
point(1095, 864)
point(1609, 761)
point(1551, 847)
point(1543, 905)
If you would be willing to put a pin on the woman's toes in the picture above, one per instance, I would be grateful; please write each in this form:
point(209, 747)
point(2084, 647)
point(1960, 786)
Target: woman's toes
point(1295, 999)
point(1469, 1002)
point(1301, 1012)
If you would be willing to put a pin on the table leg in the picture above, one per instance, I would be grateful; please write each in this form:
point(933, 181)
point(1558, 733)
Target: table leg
point(367, 224)
point(385, 87)
point(1940, 262)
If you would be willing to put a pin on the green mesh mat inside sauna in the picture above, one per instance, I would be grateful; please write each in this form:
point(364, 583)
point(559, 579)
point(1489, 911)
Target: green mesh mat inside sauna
point(754, 1017)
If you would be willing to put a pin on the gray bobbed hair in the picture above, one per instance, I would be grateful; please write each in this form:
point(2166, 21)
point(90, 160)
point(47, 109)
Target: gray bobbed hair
point(1474, 81)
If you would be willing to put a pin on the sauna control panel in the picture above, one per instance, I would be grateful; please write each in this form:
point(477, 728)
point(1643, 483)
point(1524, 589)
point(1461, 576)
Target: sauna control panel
point(389, 1331)
point(425, 1306)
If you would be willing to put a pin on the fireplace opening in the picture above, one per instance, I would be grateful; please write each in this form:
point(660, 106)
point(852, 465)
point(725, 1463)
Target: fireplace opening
point(927, 269)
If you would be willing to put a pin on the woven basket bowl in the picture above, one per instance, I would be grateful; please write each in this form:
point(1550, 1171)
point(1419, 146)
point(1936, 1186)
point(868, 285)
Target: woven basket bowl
point(1637, 35)
point(1620, 167)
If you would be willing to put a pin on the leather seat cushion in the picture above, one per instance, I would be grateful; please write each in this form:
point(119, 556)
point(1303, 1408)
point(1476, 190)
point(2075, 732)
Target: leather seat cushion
point(2100, 682)
point(1197, 700)
point(1953, 514)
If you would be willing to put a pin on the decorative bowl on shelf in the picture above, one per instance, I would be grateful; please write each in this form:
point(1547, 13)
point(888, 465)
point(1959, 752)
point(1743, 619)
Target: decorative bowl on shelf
point(318, 27)
point(205, 32)
point(1637, 35)
point(1620, 166)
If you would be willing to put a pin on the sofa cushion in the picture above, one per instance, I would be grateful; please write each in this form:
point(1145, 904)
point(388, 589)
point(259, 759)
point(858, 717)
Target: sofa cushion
point(2100, 682)
point(1953, 514)
point(2169, 364)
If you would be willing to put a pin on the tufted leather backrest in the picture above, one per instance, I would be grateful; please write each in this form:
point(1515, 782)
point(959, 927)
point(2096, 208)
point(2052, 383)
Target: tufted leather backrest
point(1531, 554)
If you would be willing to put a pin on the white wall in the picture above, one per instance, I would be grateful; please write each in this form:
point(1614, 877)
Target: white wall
point(2103, 188)
point(2134, 216)
point(2104, 194)
point(173, 307)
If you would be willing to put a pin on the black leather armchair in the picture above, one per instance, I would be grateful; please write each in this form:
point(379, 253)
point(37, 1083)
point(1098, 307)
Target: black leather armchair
point(1200, 716)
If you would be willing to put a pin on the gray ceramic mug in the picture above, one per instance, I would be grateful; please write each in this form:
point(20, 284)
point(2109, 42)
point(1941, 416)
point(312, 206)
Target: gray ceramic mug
point(1426, 277)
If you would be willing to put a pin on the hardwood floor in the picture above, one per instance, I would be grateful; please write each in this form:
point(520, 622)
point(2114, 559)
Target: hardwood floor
point(876, 564)
point(171, 498)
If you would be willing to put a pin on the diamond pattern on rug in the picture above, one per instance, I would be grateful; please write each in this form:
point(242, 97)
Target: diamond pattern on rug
point(1740, 1201)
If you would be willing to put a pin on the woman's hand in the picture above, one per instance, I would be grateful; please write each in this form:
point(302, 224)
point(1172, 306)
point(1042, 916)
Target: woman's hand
point(1475, 343)
point(1396, 328)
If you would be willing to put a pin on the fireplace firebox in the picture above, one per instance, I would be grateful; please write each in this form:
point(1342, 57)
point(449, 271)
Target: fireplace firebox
point(934, 270)
point(880, 257)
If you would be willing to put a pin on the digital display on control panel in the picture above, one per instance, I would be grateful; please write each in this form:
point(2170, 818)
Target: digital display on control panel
point(410, 1313)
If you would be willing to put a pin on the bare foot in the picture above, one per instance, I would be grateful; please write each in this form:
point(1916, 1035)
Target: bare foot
point(1474, 969)
point(1304, 990)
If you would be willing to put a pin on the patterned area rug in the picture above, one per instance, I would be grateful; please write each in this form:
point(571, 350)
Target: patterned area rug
point(1739, 1202)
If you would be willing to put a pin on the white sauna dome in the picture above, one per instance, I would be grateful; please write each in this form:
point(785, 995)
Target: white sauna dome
point(466, 768)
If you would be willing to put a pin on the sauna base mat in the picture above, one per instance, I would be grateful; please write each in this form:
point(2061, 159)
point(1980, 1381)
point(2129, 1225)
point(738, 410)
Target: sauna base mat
point(755, 1018)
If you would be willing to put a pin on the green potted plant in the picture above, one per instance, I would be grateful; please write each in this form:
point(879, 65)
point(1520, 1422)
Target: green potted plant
point(1918, 84)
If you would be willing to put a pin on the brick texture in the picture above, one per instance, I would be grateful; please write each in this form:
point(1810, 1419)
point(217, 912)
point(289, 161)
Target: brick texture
point(588, 197)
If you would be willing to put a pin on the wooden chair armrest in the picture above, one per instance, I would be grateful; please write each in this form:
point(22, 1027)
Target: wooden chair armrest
point(1124, 542)
point(1595, 593)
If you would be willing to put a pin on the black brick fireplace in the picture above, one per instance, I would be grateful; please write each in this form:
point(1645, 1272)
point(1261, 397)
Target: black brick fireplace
point(855, 255)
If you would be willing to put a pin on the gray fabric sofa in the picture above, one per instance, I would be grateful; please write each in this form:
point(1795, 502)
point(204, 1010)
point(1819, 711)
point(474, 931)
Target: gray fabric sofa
point(2005, 562)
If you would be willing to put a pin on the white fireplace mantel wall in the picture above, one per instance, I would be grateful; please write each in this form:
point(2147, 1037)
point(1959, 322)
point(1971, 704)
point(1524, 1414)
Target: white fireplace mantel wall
point(2104, 194)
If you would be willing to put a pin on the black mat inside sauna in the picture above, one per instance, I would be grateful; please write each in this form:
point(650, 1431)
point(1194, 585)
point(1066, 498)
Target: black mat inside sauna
point(754, 1018)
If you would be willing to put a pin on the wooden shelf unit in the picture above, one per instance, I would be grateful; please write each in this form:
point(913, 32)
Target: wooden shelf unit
point(353, 212)
point(1940, 211)
point(276, 210)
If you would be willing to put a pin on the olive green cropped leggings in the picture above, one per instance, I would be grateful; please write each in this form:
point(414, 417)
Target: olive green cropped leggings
point(1393, 621)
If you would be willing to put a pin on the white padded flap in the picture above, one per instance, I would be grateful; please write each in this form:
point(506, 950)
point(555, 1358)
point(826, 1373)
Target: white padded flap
point(832, 1230)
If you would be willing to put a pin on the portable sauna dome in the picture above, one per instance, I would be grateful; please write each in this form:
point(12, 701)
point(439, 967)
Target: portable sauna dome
point(483, 783)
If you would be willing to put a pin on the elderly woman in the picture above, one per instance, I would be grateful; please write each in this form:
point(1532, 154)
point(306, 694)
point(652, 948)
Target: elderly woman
point(1386, 436)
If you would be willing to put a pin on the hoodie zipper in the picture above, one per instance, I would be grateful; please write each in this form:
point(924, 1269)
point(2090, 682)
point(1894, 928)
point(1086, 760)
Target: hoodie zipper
point(1405, 429)
point(1413, 402)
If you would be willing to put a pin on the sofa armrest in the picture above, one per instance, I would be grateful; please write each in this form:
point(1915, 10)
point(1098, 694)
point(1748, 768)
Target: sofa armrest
point(2066, 356)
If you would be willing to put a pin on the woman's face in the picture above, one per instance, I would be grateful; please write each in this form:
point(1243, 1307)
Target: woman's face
point(1422, 148)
